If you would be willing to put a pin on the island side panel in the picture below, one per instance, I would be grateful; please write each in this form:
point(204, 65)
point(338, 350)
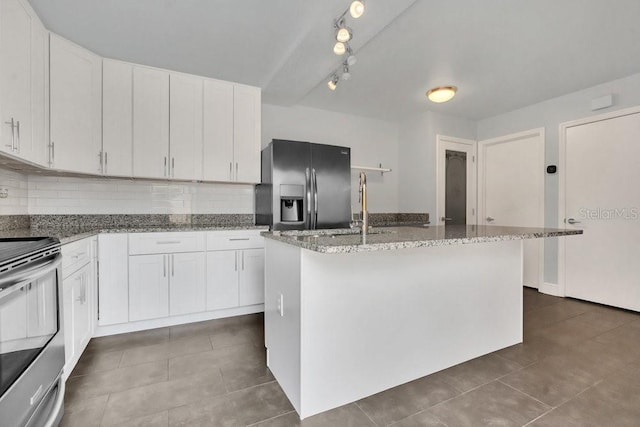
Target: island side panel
point(374, 320)
point(282, 332)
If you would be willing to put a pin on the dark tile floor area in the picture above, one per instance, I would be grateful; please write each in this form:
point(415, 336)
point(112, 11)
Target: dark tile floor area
point(579, 365)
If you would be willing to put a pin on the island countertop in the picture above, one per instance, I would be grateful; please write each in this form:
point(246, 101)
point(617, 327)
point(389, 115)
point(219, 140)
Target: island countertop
point(391, 238)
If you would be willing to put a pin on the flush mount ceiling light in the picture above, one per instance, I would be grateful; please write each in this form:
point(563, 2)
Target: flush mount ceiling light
point(441, 93)
point(356, 9)
point(333, 83)
point(339, 48)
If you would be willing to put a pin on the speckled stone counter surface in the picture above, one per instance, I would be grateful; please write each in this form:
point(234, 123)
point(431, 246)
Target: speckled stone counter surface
point(68, 228)
point(390, 238)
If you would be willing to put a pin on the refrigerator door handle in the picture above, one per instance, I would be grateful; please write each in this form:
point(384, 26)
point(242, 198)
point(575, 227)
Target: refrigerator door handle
point(307, 183)
point(315, 198)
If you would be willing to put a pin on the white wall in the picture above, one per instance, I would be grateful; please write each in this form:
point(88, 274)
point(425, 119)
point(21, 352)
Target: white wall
point(371, 141)
point(17, 202)
point(417, 157)
point(550, 114)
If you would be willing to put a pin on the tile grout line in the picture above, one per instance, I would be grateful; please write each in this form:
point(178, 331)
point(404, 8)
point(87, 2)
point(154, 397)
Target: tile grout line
point(366, 414)
point(272, 418)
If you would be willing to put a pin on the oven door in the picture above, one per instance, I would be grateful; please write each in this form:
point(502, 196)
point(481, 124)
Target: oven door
point(31, 341)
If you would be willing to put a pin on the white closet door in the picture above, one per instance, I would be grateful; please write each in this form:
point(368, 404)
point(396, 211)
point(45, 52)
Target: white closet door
point(602, 193)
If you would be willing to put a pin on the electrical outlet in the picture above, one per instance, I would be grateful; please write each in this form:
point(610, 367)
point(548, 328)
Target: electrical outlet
point(4, 193)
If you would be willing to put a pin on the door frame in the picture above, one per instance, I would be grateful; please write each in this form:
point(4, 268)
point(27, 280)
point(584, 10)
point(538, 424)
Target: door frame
point(482, 146)
point(443, 142)
point(562, 162)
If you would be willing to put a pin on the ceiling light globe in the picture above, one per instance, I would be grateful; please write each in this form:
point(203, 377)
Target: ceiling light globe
point(356, 9)
point(346, 75)
point(339, 48)
point(351, 60)
point(332, 85)
point(343, 35)
point(441, 94)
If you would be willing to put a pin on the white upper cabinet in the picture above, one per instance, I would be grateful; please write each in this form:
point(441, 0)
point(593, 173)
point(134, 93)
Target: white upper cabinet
point(218, 131)
point(232, 123)
point(23, 62)
point(117, 118)
point(246, 133)
point(76, 107)
point(185, 126)
point(150, 123)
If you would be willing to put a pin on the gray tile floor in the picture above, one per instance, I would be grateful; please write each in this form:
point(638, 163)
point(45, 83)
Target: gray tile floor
point(579, 365)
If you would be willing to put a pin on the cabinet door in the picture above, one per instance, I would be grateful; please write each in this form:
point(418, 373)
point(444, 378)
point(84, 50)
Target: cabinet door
point(117, 118)
point(150, 123)
point(218, 131)
point(187, 290)
point(222, 279)
point(148, 287)
point(76, 315)
point(39, 95)
point(246, 133)
point(185, 129)
point(15, 76)
point(251, 289)
point(113, 290)
point(76, 107)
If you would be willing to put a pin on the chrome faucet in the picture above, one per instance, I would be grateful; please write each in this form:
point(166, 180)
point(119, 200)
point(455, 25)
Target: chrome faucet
point(364, 214)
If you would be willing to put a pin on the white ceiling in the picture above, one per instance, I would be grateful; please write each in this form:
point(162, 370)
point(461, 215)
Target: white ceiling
point(502, 54)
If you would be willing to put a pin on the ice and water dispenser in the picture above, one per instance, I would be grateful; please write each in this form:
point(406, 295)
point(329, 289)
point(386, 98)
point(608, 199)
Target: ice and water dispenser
point(291, 203)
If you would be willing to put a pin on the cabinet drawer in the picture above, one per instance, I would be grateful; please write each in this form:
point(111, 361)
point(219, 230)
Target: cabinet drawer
point(236, 239)
point(75, 255)
point(163, 243)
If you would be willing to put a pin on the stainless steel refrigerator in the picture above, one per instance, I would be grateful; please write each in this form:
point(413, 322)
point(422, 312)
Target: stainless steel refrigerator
point(304, 186)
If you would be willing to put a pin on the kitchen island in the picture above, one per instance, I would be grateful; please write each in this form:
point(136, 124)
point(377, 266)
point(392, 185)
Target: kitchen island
point(345, 318)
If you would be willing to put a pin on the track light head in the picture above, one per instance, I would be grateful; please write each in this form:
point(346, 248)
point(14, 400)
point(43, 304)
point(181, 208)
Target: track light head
point(346, 75)
point(343, 34)
point(357, 8)
point(333, 83)
point(339, 48)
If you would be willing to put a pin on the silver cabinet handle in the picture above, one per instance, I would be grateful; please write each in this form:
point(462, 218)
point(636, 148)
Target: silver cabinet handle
point(165, 165)
point(489, 219)
point(173, 265)
point(164, 266)
point(230, 171)
point(236, 268)
point(236, 171)
point(13, 134)
point(444, 218)
point(106, 161)
point(168, 242)
point(100, 160)
point(242, 260)
point(52, 157)
point(308, 184)
point(173, 167)
point(17, 136)
point(235, 239)
point(315, 198)
point(572, 221)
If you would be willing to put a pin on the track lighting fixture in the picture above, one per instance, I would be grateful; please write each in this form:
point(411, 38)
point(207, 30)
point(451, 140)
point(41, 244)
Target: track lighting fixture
point(333, 83)
point(343, 36)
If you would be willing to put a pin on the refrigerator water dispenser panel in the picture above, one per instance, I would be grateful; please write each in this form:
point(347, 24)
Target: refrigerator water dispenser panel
point(291, 202)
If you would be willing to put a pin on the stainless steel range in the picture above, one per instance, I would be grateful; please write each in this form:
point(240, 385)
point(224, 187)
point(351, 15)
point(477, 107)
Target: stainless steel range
point(31, 341)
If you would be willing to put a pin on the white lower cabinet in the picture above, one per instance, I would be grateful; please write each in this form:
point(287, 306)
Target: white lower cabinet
point(148, 287)
point(187, 288)
point(251, 277)
point(222, 280)
point(113, 273)
point(78, 311)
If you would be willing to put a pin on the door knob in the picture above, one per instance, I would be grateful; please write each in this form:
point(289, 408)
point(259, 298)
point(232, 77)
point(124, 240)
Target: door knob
point(445, 219)
point(573, 221)
point(489, 219)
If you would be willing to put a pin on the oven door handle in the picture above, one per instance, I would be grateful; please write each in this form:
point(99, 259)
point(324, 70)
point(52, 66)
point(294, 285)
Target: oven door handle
point(13, 281)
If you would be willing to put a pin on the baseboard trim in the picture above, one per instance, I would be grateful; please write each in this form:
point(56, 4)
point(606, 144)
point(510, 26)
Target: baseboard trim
point(551, 289)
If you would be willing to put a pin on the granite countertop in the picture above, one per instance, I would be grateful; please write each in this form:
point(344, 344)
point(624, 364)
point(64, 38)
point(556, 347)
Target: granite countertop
point(390, 238)
point(71, 234)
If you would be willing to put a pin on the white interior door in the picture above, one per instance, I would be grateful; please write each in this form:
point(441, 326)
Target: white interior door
point(601, 191)
point(511, 191)
point(456, 176)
